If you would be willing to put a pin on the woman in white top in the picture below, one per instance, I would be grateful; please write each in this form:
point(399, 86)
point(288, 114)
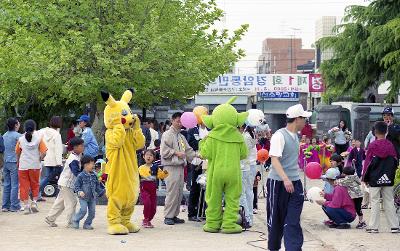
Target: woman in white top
point(248, 167)
point(53, 160)
point(30, 150)
point(342, 137)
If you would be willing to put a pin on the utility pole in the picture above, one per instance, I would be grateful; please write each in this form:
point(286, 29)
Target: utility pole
point(291, 47)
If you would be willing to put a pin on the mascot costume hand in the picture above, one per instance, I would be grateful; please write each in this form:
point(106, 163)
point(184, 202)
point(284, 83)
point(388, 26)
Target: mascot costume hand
point(224, 147)
point(123, 138)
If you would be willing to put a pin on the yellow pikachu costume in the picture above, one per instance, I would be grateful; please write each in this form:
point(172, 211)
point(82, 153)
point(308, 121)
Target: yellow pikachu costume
point(123, 138)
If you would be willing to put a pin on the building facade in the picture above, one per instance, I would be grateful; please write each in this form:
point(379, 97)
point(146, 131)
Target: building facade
point(324, 27)
point(283, 55)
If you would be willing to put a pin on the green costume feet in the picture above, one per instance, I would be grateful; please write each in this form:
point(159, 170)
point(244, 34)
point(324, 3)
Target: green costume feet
point(209, 229)
point(237, 229)
point(132, 228)
point(117, 229)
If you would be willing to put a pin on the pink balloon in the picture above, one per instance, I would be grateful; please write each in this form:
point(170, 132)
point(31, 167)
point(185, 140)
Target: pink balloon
point(189, 120)
point(313, 170)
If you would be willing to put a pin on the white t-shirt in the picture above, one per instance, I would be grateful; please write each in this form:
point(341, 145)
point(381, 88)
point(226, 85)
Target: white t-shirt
point(278, 143)
point(154, 136)
point(203, 132)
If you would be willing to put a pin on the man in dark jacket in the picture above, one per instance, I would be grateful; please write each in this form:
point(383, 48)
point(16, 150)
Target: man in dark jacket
point(146, 132)
point(194, 135)
point(393, 134)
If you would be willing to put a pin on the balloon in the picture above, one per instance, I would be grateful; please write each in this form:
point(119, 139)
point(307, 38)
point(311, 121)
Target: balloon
point(313, 194)
point(262, 155)
point(255, 118)
point(313, 170)
point(200, 111)
point(189, 120)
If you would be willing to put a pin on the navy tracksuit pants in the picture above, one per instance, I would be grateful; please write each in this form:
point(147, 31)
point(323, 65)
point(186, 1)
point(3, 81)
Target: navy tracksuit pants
point(338, 215)
point(283, 215)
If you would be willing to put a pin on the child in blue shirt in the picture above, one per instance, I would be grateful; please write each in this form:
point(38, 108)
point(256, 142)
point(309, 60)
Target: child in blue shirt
point(336, 164)
point(91, 146)
point(88, 187)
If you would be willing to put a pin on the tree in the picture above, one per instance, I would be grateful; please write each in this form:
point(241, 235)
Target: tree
point(55, 56)
point(366, 50)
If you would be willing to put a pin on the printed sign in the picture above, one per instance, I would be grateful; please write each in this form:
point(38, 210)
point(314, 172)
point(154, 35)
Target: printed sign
point(316, 83)
point(279, 96)
point(252, 84)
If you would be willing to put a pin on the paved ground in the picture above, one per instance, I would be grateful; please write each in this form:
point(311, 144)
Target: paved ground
point(29, 232)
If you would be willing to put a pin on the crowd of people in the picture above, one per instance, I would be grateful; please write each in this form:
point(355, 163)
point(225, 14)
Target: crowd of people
point(171, 153)
point(356, 178)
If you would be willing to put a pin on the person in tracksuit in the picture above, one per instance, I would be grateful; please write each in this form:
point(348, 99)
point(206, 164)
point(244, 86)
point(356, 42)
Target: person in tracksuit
point(285, 195)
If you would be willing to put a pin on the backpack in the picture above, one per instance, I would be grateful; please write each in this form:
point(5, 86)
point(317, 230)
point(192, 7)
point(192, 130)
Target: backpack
point(381, 171)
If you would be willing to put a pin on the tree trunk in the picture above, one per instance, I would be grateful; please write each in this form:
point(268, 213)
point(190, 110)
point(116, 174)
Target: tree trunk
point(98, 127)
point(143, 113)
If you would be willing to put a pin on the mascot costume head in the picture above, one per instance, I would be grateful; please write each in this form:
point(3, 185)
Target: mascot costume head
point(224, 147)
point(123, 138)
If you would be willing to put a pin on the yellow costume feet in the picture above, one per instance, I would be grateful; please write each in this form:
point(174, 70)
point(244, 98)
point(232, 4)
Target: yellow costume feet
point(235, 230)
point(209, 229)
point(117, 229)
point(132, 228)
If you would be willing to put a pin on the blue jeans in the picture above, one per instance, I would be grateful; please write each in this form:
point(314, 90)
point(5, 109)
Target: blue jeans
point(50, 173)
point(10, 192)
point(85, 207)
point(247, 196)
point(338, 215)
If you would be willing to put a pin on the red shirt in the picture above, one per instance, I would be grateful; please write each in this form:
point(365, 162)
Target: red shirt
point(70, 135)
point(307, 130)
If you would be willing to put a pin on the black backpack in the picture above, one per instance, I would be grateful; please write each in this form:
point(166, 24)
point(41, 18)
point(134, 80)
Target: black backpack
point(381, 171)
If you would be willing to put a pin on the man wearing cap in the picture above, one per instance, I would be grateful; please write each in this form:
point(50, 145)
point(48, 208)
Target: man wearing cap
point(393, 134)
point(90, 142)
point(285, 196)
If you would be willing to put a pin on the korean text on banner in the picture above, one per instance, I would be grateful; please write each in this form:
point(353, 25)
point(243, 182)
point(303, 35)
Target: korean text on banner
point(316, 83)
point(251, 84)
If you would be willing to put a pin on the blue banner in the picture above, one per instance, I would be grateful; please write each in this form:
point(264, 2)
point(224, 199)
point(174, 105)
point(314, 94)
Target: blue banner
point(284, 96)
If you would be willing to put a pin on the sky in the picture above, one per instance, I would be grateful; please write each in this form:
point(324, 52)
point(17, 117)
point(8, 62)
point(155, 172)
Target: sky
point(277, 18)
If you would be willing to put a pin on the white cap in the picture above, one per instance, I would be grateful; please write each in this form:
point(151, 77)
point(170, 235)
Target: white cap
point(297, 111)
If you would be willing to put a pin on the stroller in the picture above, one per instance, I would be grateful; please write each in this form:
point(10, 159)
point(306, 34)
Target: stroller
point(51, 189)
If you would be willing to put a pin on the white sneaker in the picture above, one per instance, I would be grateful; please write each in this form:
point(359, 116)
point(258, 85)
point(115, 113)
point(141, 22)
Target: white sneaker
point(27, 211)
point(395, 230)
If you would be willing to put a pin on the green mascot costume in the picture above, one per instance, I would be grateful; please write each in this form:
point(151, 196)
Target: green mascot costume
point(224, 147)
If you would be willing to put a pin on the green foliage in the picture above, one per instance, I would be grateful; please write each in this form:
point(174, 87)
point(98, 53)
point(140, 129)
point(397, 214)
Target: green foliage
point(58, 55)
point(366, 50)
